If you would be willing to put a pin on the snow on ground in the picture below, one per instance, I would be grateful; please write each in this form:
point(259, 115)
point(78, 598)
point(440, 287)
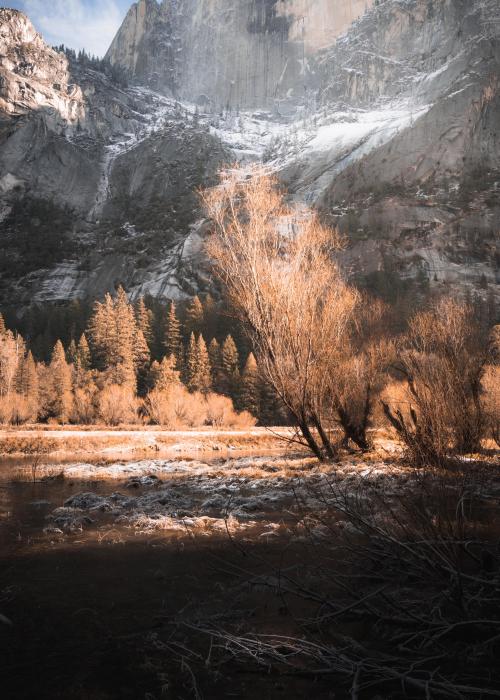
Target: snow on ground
point(208, 497)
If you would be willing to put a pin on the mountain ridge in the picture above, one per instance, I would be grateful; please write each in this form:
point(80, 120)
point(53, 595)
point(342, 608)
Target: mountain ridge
point(394, 141)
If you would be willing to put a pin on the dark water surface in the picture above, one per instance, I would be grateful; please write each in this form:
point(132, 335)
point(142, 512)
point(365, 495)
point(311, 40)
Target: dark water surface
point(88, 613)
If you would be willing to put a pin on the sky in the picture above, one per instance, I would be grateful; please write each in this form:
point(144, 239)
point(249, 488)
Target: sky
point(79, 24)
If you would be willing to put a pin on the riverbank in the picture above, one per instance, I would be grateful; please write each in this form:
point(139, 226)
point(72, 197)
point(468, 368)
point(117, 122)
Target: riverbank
point(101, 442)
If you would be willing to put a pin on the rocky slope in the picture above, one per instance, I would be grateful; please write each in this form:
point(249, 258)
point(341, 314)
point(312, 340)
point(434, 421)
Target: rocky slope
point(383, 115)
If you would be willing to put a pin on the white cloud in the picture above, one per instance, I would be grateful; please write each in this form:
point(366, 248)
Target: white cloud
point(76, 23)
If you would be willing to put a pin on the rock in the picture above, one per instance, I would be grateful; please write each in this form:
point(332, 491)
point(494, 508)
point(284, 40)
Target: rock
point(147, 480)
point(245, 53)
point(88, 501)
point(67, 519)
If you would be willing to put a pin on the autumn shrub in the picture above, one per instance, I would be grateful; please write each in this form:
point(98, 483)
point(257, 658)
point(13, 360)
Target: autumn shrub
point(176, 408)
point(5, 410)
point(84, 405)
point(219, 410)
point(442, 359)
point(220, 413)
point(23, 410)
point(158, 408)
point(118, 405)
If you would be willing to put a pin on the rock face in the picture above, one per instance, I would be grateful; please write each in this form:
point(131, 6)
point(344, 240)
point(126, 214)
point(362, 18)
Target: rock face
point(382, 115)
point(32, 76)
point(241, 53)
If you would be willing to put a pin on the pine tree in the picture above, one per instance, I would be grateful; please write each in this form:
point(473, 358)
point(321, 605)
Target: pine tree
point(164, 375)
point(102, 333)
point(60, 374)
point(72, 352)
point(190, 364)
point(198, 376)
point(29, 385)
point(249, 394)
point(142, 359)
point(122, 337)
point(194, 317)
point(203, 373)
point(144, 319)
point(83, 359)
point(172, 341)
point(215, 355)
point(230, 367)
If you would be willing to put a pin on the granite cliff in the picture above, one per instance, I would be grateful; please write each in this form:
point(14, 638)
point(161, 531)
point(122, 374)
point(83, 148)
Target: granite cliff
point(384, 115)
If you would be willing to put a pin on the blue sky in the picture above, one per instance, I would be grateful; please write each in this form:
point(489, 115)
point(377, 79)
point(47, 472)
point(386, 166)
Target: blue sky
point(80, 24)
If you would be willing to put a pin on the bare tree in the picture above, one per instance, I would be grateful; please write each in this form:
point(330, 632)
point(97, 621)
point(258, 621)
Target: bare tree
point(357, 370)
point(442, 359)
point(278, 266)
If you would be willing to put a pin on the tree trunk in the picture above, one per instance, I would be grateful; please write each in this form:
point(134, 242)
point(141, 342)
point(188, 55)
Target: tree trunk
point(330, 450)
point(309, 438)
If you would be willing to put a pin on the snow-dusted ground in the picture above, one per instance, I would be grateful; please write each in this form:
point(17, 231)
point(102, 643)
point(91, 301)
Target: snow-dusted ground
point(196, 496)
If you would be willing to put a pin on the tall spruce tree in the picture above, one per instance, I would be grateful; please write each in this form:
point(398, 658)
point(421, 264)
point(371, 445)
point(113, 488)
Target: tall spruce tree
point(142, 359)
point(144, 319)
point(203, 373)
point(164, 374)
point(249, 395)
point(230, 367)
point(102, 333)
point(113, 332)
point(194, 317)
point(61, 398)
point(215, 355)
point(83, 358)
point(28, 384)
point(71, 353)
point(198, 375)
point(190, 364)
point(172, 342)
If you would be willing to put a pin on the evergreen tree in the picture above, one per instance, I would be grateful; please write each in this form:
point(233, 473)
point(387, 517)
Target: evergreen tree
point(60, 375)
point(144, 319)
point(249, 394)
point(29, 385)
point(203, 373)
point(164, 375)
point(191, 363)
point(113, 332)
point(29, 377)
point(83, 359)
point(72, 352)
point(102, 333)
point(230, 367)
point(198, 376)
point(172, 341)
point(141, 360)
point(215, 355)
point(194, 317)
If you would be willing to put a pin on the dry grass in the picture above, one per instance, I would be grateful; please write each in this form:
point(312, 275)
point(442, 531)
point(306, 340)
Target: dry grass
point(96, 440)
